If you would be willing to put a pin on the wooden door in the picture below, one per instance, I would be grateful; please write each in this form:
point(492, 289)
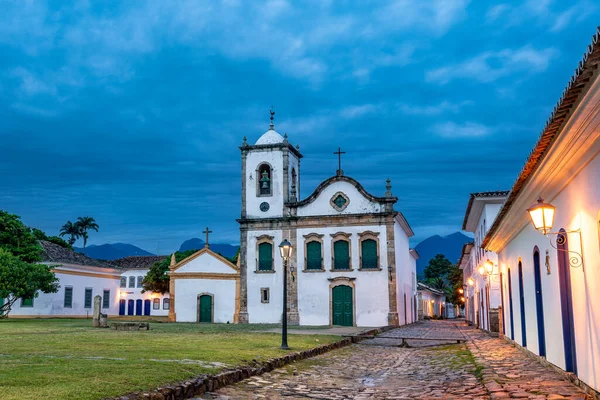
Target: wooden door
point(343, 307)
point(566, 303)
point(122, 303)
point(130, 307)
point(138, 307)
point(510, 305)
point(146, 307)
point(539, 302)
point(522, 304)
point(206, 307)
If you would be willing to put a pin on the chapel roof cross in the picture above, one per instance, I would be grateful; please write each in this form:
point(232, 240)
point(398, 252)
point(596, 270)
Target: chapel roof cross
point(207, 232)
point(339, 153)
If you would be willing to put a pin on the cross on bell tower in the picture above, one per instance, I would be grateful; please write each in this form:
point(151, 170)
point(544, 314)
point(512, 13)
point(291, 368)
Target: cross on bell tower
point(206, 245)
point(339, 153)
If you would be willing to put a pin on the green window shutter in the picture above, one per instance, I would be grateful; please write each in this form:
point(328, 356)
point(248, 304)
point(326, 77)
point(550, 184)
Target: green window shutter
point(369, 254)
point(88, 298)
point(68, 297)
point(341, 254)
point(106, 299)
point(313, 256)
point(27, 302)
point(265, 257)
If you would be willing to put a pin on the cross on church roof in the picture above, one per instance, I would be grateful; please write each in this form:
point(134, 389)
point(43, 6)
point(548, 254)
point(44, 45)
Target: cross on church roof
point(339, 154)
point(207, 232)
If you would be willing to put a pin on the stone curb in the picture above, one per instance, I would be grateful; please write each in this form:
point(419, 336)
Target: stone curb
point(211, 382)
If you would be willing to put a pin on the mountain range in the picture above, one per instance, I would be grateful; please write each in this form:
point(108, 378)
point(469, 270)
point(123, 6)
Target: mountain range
point(450, 246)
point(113, 251)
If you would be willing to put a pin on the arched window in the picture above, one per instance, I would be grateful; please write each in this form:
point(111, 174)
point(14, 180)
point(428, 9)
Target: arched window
point(139, 281)
point(156, 304)
point(264, 180)
point(123, 282)
point(132, 281)
point(265, 254)
point(166, 303)
point(369, 250)
point(341, 251)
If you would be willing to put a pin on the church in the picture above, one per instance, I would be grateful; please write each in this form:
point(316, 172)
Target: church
point(351, 264)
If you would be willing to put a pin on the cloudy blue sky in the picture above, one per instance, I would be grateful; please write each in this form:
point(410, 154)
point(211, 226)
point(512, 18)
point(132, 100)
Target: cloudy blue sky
point(132, 112)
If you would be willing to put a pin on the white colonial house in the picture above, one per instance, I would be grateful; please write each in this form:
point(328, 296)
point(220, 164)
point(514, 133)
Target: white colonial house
point(82, 278)
point(550, 263)
point(204, 287)
point(480, 274)
point(351, 263)
point(431, 302)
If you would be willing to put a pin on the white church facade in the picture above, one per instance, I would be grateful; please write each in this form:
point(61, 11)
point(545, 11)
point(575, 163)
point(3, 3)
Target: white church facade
point(351, 263)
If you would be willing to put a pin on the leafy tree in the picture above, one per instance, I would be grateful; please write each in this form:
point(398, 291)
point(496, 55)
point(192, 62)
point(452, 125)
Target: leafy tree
point(41, 235)
point(437, 283)
point(17, 238)
point(439, 266)
point(72, 230)
point(157, 280)
point(455, 277)
point(84, 224)
point(20, 279)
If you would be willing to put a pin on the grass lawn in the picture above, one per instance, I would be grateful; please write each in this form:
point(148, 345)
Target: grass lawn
point(68, 359)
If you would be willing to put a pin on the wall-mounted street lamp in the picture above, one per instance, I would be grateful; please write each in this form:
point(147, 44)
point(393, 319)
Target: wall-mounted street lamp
point(489, 267)
point(470, 281)
point(461, 291)
point(542, 218)
point(286, 253)
point(390, 272)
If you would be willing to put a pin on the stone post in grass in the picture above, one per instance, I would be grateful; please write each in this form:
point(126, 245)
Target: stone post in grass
point(97, 304)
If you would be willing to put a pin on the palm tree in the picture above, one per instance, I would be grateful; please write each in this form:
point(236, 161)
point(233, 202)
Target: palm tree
point(85, 223)
point(72, 230)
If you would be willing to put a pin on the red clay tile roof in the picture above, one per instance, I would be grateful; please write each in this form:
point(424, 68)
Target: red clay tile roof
point(137, 262)
point(58, 254)
point(576, 89)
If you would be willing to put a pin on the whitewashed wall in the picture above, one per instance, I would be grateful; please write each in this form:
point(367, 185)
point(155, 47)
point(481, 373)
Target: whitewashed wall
point(577, 206)
point(52, 304)
point(264, 312)
point(358, 203)
point(135, 293)
point(371, 297)
point(406, 266)
point(186, 301)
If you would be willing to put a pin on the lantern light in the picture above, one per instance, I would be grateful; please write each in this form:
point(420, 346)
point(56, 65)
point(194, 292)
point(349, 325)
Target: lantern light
point(489, 266)
point(481, 270)
point(470, 281)
point(542, 216)
point(461, 291)
point(286, 249)
point(462, 299)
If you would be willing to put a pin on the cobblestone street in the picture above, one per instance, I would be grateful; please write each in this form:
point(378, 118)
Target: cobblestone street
point(434, 367)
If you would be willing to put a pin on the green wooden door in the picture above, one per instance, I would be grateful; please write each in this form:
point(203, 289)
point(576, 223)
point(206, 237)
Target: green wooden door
point(205, 309)
point(343, 308)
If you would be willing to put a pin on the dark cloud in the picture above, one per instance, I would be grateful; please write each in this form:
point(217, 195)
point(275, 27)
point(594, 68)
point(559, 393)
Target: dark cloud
point(134, 114)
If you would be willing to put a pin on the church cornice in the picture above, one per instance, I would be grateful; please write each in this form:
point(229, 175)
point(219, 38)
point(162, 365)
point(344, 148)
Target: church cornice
point(341, 178)
point(272, 146)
